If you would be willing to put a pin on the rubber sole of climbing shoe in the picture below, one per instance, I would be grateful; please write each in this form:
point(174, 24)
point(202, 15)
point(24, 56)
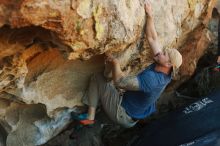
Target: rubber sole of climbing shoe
point(87, 122)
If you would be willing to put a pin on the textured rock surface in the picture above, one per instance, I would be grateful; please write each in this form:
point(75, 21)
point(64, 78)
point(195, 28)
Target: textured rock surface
point(44, 45)
point(88, 27)
point(30, 125)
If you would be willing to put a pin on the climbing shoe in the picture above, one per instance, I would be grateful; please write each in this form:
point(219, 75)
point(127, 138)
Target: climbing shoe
point(79, 117)
point(82, 118)
point(86, 122)
point(217, 68)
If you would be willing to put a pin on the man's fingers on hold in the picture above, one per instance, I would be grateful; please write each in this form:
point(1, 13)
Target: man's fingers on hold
point(147, 2)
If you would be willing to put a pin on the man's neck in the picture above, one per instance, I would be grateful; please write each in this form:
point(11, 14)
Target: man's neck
point(163, 69)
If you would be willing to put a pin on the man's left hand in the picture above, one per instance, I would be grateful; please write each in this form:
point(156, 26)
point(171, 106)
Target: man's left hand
point(148, 8)
point(110, 59)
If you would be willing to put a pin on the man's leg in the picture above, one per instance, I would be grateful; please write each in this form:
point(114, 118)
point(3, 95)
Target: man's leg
point(91, 97)
point(111, 103)
point(98, 89)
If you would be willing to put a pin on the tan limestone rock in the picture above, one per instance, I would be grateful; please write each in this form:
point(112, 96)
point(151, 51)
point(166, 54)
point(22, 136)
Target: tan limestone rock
point(49, 49)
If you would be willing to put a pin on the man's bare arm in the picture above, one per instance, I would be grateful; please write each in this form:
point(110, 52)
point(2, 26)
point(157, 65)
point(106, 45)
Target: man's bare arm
point(114, 66)
point(151, 33)
point(119, 78)
point(128, 83)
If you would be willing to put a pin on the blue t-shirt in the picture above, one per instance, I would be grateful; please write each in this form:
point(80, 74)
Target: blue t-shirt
point(140, 104)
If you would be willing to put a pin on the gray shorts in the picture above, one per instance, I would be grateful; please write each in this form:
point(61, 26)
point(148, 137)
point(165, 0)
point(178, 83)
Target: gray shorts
point(100, 89)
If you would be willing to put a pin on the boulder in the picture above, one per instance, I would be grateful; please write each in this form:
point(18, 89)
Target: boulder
point(49, 49)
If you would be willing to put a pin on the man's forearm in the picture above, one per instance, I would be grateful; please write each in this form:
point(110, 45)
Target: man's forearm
point(152, 36)
point(150, 29)
point(117, 72)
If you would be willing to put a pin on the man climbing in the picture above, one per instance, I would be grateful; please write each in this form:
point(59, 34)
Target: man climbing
point(141, 91)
